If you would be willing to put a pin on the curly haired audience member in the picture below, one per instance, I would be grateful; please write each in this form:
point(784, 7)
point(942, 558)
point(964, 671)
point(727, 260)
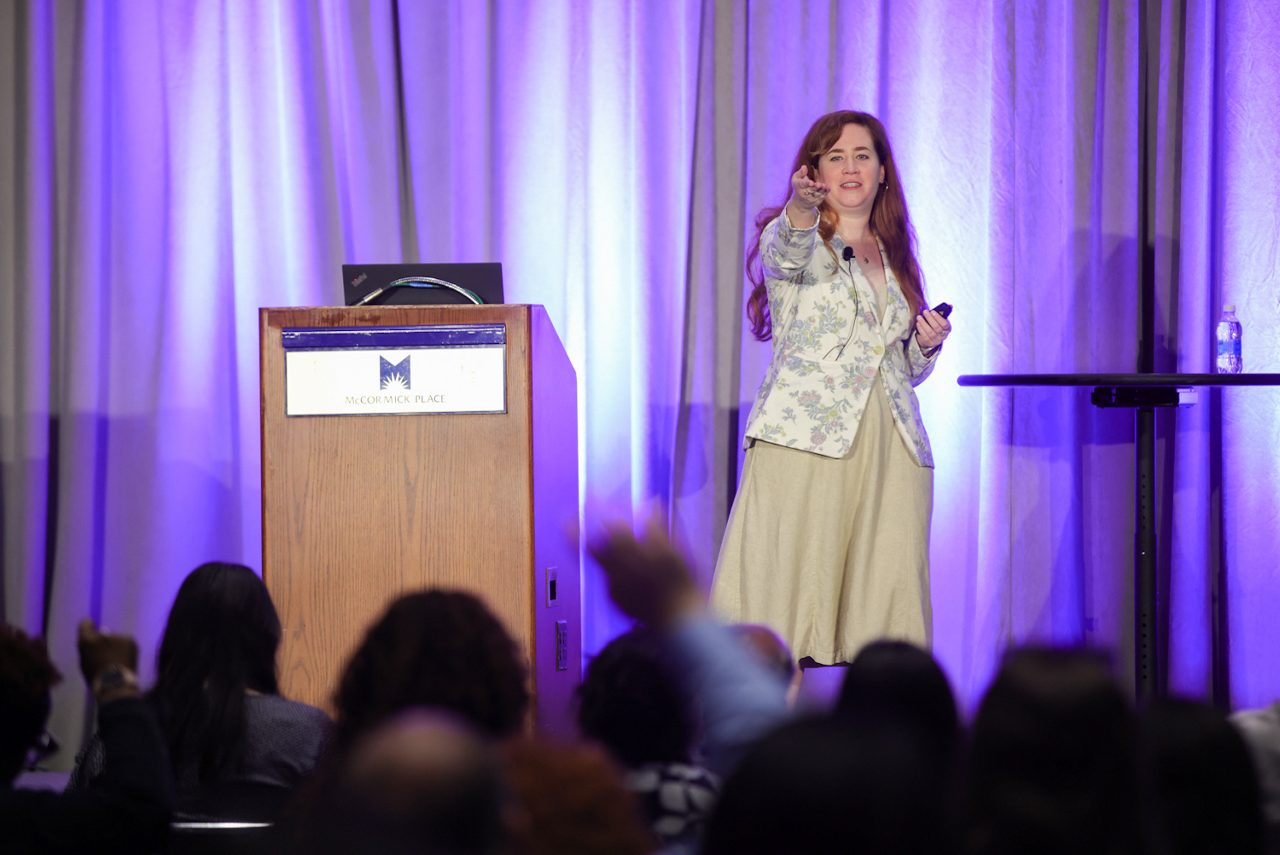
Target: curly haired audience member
point(218, 700)
point(435, 649)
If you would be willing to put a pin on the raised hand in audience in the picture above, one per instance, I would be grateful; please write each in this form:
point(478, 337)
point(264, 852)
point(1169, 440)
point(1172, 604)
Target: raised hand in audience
point(108, 662)
point(648, 578)
point(650, 581)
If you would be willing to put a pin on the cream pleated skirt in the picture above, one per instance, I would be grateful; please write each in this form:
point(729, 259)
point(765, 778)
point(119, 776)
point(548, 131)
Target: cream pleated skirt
point(831, 553)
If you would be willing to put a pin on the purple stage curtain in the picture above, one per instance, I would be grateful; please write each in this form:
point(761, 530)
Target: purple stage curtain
point(166, 168)
point(1218, 241)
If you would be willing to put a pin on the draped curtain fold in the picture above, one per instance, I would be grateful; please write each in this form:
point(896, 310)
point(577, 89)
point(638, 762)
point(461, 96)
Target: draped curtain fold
point(167, 168)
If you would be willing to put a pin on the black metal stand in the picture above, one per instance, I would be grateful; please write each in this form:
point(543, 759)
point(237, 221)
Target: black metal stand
point(1143, 400)
point(1143, 393)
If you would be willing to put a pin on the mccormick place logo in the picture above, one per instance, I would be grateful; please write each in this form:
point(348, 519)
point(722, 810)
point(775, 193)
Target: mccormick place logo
point(394, 390)
point(393, 378)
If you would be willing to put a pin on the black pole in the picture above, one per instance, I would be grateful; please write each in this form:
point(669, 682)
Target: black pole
point(1146, 655)
point(1144, 555)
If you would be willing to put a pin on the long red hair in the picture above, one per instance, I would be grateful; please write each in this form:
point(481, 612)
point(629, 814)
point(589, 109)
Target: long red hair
point(889, 219)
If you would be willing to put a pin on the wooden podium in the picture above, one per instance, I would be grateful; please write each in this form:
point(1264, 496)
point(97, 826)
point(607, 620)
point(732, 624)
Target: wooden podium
point(358, 509)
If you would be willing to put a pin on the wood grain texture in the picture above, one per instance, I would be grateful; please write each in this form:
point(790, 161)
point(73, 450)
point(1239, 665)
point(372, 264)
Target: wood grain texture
point(360, 509)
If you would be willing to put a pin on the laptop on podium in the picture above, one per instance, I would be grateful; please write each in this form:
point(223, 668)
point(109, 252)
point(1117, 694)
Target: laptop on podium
point(428, 284)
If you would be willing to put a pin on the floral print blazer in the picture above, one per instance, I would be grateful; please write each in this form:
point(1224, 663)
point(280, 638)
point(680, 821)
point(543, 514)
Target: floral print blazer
point(830, 345)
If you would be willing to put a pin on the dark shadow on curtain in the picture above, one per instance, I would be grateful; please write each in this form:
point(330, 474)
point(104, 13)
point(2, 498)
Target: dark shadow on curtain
point(1064, 431)
point(134, 510)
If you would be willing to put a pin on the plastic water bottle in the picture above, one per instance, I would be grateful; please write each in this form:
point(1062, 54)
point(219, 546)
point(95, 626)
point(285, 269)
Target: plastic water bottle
point(1228, 335)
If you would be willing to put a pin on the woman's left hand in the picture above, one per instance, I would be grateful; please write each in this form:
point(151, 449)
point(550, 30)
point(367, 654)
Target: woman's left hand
point(931, 330)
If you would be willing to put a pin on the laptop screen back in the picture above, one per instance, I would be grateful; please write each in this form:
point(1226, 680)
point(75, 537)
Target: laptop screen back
point(361, 280)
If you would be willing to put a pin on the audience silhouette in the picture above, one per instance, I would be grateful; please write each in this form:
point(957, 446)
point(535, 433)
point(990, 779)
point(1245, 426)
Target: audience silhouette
point(633, 703)
point(237, 747)
point(690, 744)
point(128, 809)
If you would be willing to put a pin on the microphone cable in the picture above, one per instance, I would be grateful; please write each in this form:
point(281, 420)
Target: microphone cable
point(847, 255)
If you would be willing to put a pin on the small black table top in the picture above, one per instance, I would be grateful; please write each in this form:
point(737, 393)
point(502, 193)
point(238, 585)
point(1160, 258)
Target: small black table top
point(1137, 380)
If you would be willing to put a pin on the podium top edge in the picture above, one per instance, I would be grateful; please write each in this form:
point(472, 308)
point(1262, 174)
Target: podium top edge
point(406, 307)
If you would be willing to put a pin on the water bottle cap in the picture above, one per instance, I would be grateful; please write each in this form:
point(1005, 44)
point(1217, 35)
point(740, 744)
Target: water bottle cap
point(1229, 307)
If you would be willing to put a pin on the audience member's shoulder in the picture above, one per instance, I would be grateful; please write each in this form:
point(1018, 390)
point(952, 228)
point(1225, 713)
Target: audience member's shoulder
point(276, 712)
point(1259, 723)
point(284, 741)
